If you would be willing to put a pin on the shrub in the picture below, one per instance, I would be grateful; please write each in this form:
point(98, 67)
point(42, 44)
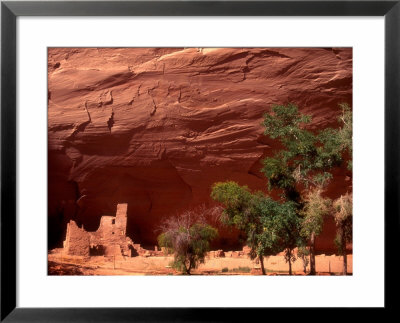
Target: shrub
point(188, 237)
point(241, 270)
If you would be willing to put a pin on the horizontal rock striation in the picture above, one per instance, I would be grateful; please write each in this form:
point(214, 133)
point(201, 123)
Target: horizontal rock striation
point(156, 127)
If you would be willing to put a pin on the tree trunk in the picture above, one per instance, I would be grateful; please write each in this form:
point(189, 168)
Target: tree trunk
point(344, 254)
point(187, 269)
point(261, 258)
point(290, 261)
point(312, 254)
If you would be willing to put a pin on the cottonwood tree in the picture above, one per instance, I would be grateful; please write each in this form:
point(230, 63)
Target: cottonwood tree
point(281, 229)
point(316, 207)
point(303, 253)
point(345, 133)
point(343, 215)
point(240, 212)
point(188, 237)
point(270, 226)
point(305, 157)
point(303, 161)
point(300, 166)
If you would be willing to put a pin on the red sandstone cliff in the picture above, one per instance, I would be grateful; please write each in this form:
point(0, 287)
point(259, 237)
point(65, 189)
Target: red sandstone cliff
point(156, 127)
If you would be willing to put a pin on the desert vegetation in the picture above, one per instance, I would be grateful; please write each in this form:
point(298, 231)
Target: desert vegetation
point(188, 237)
point(157, 128)
point(343, 215)
point(282, 221)
point(297, 173)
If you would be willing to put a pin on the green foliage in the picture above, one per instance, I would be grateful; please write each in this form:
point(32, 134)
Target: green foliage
point(238, 202)
point(270, 226)
point(241, 270)
point(281, 227)
point(278, 173)
point(188, 237)
point(305, 160)
point(302, 162)
point(306, 156)
point(346, 131)
point(329, 150)
point(236, 270)
point(285, 123)
point(294, 161)
point(239, 210)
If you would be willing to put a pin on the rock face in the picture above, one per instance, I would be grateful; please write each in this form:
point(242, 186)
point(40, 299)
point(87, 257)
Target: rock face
point(156, 127)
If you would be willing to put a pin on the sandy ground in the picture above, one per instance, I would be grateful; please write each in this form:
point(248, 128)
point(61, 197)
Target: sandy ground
point(60, 264)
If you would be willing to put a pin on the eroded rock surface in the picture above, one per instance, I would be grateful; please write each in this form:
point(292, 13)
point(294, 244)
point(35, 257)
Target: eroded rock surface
point(156, 127)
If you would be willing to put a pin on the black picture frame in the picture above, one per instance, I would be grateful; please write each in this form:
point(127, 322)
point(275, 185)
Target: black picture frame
point(10, 10)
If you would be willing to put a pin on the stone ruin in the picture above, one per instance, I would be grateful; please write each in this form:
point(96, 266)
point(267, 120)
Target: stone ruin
point(245, 252)
point(109, 240)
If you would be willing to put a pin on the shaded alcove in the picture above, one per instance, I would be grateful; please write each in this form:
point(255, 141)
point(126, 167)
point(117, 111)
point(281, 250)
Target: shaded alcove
point(62, 196)
point(152, 192)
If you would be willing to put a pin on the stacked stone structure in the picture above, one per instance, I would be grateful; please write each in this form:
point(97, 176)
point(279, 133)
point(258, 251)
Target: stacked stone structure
point(109, 240)
point(77, 241)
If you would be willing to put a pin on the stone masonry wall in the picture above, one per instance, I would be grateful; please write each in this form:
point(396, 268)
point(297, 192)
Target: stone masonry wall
point(110, 237)
point(77, 241)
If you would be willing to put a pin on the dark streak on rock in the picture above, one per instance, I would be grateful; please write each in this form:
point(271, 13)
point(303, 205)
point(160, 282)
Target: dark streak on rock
point(154, 108)
point(110, 121)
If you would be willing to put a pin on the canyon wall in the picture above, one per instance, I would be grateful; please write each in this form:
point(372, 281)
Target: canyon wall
point(156, 127)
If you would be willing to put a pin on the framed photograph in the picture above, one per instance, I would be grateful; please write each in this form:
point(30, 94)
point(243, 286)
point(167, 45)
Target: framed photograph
point(165, 160)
